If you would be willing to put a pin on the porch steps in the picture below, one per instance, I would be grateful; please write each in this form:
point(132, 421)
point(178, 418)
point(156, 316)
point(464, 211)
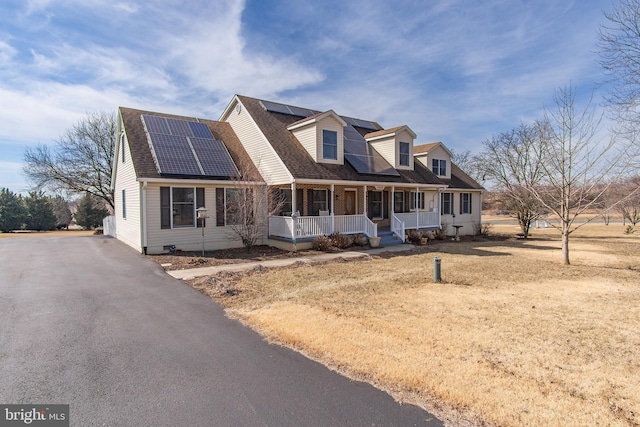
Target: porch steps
point(387, 238)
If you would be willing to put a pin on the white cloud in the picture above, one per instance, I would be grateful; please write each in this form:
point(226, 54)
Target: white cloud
point(211, 53)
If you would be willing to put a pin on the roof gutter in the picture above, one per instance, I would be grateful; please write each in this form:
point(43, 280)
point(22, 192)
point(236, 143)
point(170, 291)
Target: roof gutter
point(372, 183)
point(198, 181)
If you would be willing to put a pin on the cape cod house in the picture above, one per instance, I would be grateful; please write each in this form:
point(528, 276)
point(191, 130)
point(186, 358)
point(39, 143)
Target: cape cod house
point(332, 174)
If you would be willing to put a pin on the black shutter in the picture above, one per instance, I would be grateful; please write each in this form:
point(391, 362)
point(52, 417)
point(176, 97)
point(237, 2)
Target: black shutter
point(369, 205)
point(309, 202)
point(200, 204)
point(165, 207)
point(220, 207)
point(460, 203)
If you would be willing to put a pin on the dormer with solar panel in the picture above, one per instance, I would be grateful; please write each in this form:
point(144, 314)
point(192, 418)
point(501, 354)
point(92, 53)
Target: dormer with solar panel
point(395, 145)
point(356, 151)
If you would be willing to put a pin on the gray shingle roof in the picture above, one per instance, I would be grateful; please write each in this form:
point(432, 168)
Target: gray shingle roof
point(141, 153)
point(301, 164)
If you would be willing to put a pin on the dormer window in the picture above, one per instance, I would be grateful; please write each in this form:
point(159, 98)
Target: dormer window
point(404, 153)
point(439, 167)
point(329, 144)
point(322, 135)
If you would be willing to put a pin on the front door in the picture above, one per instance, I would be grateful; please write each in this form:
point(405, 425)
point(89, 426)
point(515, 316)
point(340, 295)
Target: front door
point(350, 202)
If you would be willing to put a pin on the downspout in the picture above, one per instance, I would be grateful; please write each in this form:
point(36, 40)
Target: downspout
point(144, 217)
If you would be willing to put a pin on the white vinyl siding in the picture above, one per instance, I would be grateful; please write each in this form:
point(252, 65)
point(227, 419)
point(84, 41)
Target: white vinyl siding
point(187, 238)
point(128, 229)
point(387, 149)
point(307, 137)
point(256, 145)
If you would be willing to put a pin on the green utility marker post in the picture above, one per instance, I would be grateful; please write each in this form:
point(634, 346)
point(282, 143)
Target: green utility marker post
point(437, 277)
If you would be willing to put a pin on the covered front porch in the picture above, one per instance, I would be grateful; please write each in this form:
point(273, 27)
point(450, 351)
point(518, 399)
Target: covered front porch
point(310, 210)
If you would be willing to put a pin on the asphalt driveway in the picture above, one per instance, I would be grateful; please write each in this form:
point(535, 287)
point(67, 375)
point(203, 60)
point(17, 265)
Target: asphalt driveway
point(88, 322)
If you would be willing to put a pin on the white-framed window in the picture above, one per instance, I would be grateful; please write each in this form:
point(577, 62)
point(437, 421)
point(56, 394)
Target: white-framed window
point(319, 201)
point(465, 203)
point(446, 204)
point(183, 207)
point(404, 149)
point(124, 204)
point(439, 167)
point(419, 200)
point(376, 205)
point(329, 144)
point(178, 206)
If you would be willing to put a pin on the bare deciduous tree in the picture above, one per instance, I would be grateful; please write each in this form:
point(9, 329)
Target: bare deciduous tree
point(510, 163)
point(81, 160)
point(249, 204)
point(578, 168)
point(619, 42)
point(629, 206)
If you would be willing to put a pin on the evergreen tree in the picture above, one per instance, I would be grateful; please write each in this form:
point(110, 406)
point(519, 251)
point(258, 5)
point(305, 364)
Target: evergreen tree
point(61, 211)
point(90, 212)
point(12, 210)
point(40, 214)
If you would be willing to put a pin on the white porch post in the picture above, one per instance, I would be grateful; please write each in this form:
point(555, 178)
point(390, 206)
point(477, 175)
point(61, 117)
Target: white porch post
point(333, 198)
point(393, 200)
point(294, 201)
point(439, 208)
point(333, 202)
point(294, 216)
point(417, 209)
point(364, 208)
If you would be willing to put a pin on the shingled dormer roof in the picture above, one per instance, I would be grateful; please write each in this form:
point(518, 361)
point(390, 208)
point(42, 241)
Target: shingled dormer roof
point(302, 166)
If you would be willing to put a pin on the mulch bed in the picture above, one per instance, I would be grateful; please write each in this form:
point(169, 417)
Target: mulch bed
point(193, 259)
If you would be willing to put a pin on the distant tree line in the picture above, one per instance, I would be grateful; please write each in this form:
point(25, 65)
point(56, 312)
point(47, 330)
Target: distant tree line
point(39, 212)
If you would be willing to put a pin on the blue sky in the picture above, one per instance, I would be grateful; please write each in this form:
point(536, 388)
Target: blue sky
point(456, 71)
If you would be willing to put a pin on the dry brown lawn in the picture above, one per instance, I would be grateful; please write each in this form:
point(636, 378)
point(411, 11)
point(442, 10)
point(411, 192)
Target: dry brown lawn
point(512, 337)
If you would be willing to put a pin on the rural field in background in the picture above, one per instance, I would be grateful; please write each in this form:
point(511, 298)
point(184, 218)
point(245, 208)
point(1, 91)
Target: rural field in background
point(511, 337)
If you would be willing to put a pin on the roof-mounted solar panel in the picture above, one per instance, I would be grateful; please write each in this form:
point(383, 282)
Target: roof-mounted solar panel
point(361, 123)
point(182, 147)
point(363, 157)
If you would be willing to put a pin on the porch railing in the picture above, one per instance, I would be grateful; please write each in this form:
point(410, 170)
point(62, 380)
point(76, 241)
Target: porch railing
point(397, 227)
point(412, 220)
point(311, 226)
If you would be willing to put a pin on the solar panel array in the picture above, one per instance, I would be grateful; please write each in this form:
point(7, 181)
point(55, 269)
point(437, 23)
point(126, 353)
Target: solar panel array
point(274, 107)
point(182, 147)
point(363, 157)
point(361, 123)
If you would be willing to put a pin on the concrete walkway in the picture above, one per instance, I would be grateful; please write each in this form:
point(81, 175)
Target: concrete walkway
point(192, 273)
